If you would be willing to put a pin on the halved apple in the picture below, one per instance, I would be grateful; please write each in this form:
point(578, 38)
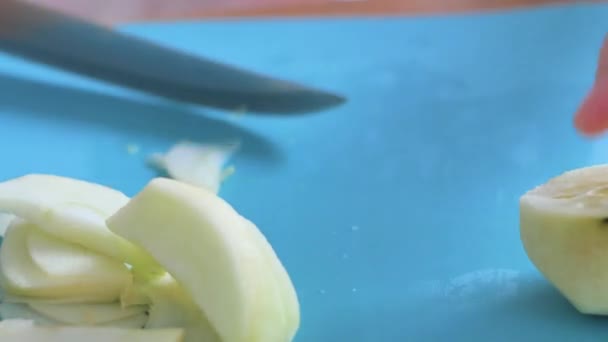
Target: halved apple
point(103, 279)
point(222, 261)
point(564, 231)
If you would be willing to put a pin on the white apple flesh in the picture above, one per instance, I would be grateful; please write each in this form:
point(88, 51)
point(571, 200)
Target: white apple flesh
point(74, 211)
point(87, 314)
point(564, 231)
point(10, 311)
point(173, 307)
point(220, 259)
point(20, 276)
point(30, 333)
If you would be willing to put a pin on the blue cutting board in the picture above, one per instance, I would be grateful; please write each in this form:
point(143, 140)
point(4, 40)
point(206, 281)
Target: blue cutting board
point(396, 214)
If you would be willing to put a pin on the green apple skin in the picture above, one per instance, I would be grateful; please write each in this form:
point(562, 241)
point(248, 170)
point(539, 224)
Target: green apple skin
point(220, 259)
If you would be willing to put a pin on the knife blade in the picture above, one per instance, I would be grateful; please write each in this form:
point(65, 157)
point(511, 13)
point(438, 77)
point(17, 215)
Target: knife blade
point(76, 45)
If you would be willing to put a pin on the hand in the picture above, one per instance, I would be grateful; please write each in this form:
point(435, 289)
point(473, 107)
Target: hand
point(114, 11)
point(592, 117)
point(121, 11)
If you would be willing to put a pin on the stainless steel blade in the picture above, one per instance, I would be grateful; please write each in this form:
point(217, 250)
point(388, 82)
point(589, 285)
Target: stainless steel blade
point(79, 46)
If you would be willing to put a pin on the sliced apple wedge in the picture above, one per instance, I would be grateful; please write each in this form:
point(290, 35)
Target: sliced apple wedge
point(133, 322)
point(72, 210)
point(197, 164)
point(60, 258)
point(219, 258)
point(87, 314)
point(134, 293)
point(27, 312)
point(9, 298)
point(5, 221)
point(103, 280)
point(173, 307)
point(23, 332)
point(22, 311)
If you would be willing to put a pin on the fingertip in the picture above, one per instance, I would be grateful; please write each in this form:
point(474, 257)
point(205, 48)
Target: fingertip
point(591, 119)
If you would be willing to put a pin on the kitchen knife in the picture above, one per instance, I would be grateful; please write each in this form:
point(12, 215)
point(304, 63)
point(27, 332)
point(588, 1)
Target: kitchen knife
point(75, 45)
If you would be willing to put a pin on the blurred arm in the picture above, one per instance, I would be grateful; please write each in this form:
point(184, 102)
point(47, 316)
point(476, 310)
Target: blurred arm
point(117, 11)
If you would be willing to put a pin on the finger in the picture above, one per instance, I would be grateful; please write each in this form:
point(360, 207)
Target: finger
point(592, 116)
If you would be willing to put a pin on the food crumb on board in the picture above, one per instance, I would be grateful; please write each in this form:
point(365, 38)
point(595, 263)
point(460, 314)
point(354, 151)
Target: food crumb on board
point(239, 112)
point(132, 149)
point(197, 164)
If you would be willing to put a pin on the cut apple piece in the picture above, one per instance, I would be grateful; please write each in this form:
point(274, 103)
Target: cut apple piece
point(133, 322)
point(197, 164)
point(564, 230)
point(104, 280)
point(134, 294)
point(9, 298)
point(220, 259)
point(10, 311)
point(87, 314)
point(27, 312)
point(72, 210)
point(24, 332)
point(60, 258)
point(282, 281)
point(5, 221)
point(174, 308)
point(16, 323)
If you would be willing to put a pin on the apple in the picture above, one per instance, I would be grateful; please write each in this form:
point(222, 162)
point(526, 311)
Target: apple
point(173, 307)
point(60, 258)
point(220, 259)
point(564, 231)
point(87, 314)
point(197, 164)
point(74, 211)
point(24, 332)
point(9, 298)
point(10, 311)
point(133, 322)
point(5, 221)
point(102, 279)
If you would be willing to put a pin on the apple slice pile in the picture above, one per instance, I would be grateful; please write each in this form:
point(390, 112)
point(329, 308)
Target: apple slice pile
point(175, 263)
